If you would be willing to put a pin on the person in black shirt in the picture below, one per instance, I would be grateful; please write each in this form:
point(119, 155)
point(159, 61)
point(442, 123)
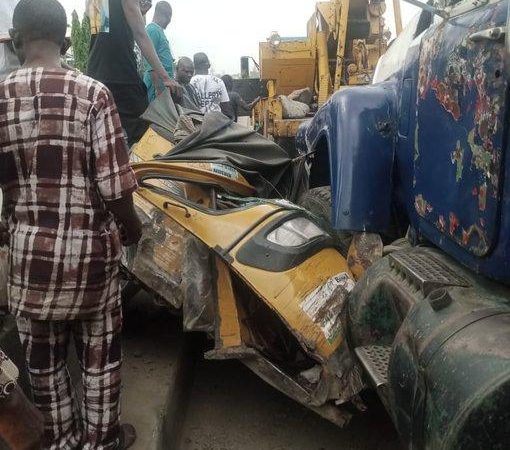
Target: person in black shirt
point(238, 104)
point(112, 60)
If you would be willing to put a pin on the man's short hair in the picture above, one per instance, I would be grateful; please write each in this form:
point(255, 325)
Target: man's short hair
point(184, 60)
point(37, 20)
point(201, 60)
point(164, 7)
point(228, 81)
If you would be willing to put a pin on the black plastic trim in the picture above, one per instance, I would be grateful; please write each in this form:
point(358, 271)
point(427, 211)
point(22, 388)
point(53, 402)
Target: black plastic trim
point(262, 254)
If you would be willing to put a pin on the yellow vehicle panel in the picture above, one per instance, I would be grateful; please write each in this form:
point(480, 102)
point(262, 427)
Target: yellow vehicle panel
point(150, 146)
point(286, 291)
point(216, 230)
point(291, 64)
point(282, 291)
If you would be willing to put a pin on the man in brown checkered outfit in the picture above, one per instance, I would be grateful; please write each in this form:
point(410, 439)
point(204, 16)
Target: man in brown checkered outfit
point(67, 186)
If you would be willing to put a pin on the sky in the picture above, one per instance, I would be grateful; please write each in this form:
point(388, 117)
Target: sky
point(229, 29)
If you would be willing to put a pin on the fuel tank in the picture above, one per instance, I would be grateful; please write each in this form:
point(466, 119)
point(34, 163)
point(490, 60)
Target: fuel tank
point(449, 372)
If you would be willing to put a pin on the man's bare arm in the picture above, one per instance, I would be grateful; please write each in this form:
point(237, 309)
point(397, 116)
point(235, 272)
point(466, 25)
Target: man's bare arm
point(227, 109)
point(125, 214)
point(135, 20)
point(156, 83)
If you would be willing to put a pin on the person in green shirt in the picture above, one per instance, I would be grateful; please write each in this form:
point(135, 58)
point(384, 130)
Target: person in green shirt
point(156, 31)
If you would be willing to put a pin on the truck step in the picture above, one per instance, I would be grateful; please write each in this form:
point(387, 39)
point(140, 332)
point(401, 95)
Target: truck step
point(375, 360)
point(426, 271)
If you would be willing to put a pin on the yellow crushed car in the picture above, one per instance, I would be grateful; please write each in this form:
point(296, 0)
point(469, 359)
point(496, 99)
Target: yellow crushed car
point(261, 277)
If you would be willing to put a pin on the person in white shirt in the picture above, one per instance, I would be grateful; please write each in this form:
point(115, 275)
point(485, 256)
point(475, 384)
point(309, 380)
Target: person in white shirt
point(211, 90)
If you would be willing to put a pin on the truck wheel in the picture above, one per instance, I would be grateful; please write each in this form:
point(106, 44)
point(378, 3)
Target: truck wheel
point(318, 202)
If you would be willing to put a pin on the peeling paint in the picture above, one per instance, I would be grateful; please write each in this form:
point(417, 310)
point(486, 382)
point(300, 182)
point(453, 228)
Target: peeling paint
point(429, 52)
point(448, 95)
point(454, 223)
point(441, 223)
point(458, 159)
point(416, 143)
point(482, 159)
point(482, 197)
point(466, 80)
point(421, 205)
point(475, 236)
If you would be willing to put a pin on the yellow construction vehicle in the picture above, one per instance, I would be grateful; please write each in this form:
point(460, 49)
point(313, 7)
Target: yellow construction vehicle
point(344, 41)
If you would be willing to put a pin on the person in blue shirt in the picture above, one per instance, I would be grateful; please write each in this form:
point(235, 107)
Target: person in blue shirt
point(156, 31)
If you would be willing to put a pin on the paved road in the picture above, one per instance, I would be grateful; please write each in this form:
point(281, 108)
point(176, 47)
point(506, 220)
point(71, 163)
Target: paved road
point(232, 409)
point(224, 406)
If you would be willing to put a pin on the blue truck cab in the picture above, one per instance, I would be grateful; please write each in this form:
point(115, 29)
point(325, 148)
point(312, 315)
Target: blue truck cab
point(425, 148)
point(428, 139)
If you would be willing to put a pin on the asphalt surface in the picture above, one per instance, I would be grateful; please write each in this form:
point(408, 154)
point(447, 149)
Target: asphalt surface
point(220, 405)
point(230, 408)
point(153, 359)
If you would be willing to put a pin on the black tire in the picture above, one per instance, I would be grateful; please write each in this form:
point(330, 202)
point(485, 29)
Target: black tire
point(318, 202)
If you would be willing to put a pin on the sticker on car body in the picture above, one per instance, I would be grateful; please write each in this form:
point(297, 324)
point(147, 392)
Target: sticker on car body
point(225, 171)
point(325, 304)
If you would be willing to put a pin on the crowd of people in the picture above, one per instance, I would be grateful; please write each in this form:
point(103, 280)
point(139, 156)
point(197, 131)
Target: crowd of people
point(68, 205)
point(190, 81)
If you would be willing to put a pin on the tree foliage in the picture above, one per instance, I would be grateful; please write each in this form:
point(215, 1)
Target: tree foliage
point(80, 38)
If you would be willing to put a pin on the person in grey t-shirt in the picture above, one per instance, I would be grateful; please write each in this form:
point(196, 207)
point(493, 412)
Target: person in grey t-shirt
point(211, 90)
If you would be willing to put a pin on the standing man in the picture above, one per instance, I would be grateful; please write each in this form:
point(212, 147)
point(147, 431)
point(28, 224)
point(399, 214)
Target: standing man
point(67, 183)
point(116, 25)
point(156, 32)
point(211, 90)
point(145, 6)
point(184, 73)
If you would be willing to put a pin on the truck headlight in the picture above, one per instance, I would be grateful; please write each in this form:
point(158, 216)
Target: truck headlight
point(295, 232)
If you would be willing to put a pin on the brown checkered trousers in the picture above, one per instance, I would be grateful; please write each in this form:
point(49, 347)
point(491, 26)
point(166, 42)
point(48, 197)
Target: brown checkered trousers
point(62, 156)
point(97, 342)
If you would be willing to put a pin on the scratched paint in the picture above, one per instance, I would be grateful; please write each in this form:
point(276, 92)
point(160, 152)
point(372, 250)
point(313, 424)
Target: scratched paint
point(475, 236)
point(458, 160)
point(485, 161)
point(460, 119)
point(482, 197)
point(441, 223)
point(422, 206)
point(448, 96)
point(416, 143)
point(454, 223)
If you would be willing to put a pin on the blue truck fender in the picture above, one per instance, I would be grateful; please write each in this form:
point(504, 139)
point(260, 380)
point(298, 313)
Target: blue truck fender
point(358, 126)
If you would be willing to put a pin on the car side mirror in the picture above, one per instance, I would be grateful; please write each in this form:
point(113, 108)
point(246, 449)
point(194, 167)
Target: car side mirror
point(432, 9)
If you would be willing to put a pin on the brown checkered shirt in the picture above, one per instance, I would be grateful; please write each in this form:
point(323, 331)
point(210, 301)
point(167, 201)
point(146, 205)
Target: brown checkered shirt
point(62, 155)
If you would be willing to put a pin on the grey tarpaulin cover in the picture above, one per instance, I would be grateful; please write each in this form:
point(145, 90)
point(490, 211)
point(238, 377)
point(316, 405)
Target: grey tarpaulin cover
point(263, 162)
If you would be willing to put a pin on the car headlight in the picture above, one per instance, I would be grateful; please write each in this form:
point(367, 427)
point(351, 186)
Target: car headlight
point(295, 232)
